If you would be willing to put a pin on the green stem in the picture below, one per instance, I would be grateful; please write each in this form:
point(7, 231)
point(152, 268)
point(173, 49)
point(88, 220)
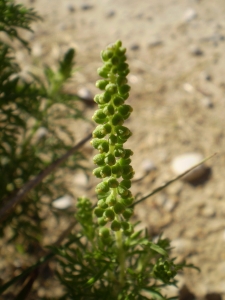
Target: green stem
point(121, 256)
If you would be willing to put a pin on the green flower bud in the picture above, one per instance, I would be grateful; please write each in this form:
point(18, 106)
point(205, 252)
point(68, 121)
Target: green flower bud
point(111, 88)
point(124, 162)
point(125, 72)
point(109, 214)
point(102, 188)
point(128, 153)
point(115, 225)
point(113, 183)
point(118, 44)
point(99, 159)
point(106, 97)
point(125, 96)
point(124, 89)
point(97, 172)
point(99, 132)
point(118, 100)
point(119, 151)
point(110, 159)
point(96, 143)
point(117, 119)
point(106, 55)
point(128, 176)
point(129, 231)
point(121, 80)
point(103, 146)
point(111, 200)
point(125, 225)
point(104, 232)
point(122, 191)
point(117, 170)
point(106, 171)
point(107, 127)
point(115, 60)
point(119, 208)
point(103, 72)
point(121, 141)
point(126, 183)
point(125, 110)
point(121, 51)
point(127, 213)
point(123, 132)
point(112, 139)
point(102, 204)
point(109, 110)
point(99, 117)
point(101, 84)
point(96, 98)
point(127, 201)
point(108, 65)
point(98, 120)
point(98, 212)
point(127, 169)
point(114, 70)
point(122, 67)
point(102, 222)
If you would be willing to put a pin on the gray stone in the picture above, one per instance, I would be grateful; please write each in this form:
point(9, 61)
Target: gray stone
point(155, 43)
point(62, 202)
point(184, 162)
point(207, 102)
point(189, 15)
point(86, 6)
point(85, 94)
point(134, 47)
point(196, 51)
point(110, 14)
point(148, 165)
point(71, 8)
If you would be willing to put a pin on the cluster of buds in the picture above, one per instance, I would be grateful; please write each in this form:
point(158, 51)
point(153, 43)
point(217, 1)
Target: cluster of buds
point(113, 160)
point(165, 270)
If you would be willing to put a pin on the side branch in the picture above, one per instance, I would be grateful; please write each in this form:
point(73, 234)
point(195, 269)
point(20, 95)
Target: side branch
point(12, 202)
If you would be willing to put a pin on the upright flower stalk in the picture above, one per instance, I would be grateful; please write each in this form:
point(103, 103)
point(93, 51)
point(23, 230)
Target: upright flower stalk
point(113, 160)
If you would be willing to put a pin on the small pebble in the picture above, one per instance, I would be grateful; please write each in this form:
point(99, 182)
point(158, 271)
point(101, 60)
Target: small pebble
point(155, 43)
point(40, 133)
point(208, 212)
point(183, 162)
point(85, 94)
point(62, 202)
point(190, 15)
point(207, 102)
point(37, 50)
point(195, 50)
point(188, 87)
point(80, 179)
point(134, 47)
point(133, 78)
point(147, 165)
point(71, 8)
point(206, 76)
point(86, 6)
point(182, 245)
point(110, 14)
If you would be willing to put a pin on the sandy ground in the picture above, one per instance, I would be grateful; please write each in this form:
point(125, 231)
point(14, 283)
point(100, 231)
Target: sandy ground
point(176, 56)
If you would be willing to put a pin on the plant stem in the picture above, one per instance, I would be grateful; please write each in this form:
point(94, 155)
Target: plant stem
point(121, 256)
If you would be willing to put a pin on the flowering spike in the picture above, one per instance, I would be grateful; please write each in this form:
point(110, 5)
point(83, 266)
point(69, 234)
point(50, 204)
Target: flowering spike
point(108, 138)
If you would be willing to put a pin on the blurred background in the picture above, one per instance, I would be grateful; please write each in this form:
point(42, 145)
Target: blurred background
point(176, 54)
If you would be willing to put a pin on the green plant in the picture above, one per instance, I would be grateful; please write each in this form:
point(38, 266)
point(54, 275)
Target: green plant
point(32, 132)
point(108, 259)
